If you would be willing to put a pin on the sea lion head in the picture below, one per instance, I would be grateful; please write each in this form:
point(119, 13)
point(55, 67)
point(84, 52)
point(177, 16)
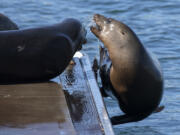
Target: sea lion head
point(109, 30)
point(75, 30)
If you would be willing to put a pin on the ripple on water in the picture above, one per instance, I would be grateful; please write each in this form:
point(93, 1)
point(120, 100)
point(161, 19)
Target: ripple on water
point(157, 24)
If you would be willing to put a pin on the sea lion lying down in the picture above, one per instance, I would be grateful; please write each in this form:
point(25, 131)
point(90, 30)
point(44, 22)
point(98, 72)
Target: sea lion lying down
point(38, 54)
point(128, 70)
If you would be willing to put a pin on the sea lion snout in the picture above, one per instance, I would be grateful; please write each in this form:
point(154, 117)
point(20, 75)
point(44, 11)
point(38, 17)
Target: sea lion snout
point(98, 19)
point(103, 25)
point(102, 20)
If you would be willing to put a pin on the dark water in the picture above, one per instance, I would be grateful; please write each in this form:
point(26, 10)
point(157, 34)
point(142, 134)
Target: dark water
point(156, 22)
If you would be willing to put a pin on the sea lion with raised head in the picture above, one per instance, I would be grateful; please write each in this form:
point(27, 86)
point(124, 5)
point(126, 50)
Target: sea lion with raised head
point(127, 70)
point(39, 54)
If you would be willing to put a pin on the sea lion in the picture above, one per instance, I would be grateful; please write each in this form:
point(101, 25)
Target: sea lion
point(6, 23)
point(127, 70)
point(39, 54)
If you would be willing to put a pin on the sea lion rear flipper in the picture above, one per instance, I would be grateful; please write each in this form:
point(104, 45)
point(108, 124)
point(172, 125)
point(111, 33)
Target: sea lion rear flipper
point(121, 119)
point(127, 118)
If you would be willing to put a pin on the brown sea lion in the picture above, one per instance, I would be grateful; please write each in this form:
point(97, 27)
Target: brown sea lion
point(39, 54)
point(127, 70)
point(6, 23)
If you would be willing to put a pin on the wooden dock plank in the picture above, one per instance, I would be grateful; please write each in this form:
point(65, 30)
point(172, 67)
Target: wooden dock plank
point(34, 109)
point(81, 106)
point(82, 95)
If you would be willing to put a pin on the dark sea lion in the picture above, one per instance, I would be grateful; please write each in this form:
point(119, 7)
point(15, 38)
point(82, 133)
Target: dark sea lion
point(127, 70)
point(6, 23)
point(39, 54)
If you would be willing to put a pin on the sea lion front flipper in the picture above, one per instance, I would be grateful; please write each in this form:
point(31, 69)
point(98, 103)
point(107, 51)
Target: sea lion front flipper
point(95, 67)
point(103, 92)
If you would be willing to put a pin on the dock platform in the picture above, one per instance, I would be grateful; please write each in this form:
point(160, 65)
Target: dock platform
point(70, 104)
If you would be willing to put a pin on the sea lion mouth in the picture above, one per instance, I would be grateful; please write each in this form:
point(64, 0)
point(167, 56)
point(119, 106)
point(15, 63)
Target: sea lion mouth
point(98, 27)
point(98, 20)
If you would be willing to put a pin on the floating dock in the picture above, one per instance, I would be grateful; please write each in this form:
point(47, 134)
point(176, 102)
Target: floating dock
point(70, 104)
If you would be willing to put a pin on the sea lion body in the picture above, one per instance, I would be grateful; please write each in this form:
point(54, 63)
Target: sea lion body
point(128, 70)
point(39, 54)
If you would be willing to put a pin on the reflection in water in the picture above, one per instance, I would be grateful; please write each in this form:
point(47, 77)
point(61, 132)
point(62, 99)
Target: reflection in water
point(76, 105)
point(137, 130)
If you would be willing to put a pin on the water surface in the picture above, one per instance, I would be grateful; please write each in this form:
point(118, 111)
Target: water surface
point(156, 22)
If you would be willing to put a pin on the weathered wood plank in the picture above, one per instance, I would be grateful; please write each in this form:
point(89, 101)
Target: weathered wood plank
point(85, 103)
point(34, 109)
point(81, 106)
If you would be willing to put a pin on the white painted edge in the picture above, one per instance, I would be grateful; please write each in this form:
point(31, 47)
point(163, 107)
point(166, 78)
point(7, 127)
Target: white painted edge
point(100, 106)
point(78, 54)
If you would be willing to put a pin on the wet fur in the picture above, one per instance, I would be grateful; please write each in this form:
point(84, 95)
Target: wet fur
point(133, 78)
